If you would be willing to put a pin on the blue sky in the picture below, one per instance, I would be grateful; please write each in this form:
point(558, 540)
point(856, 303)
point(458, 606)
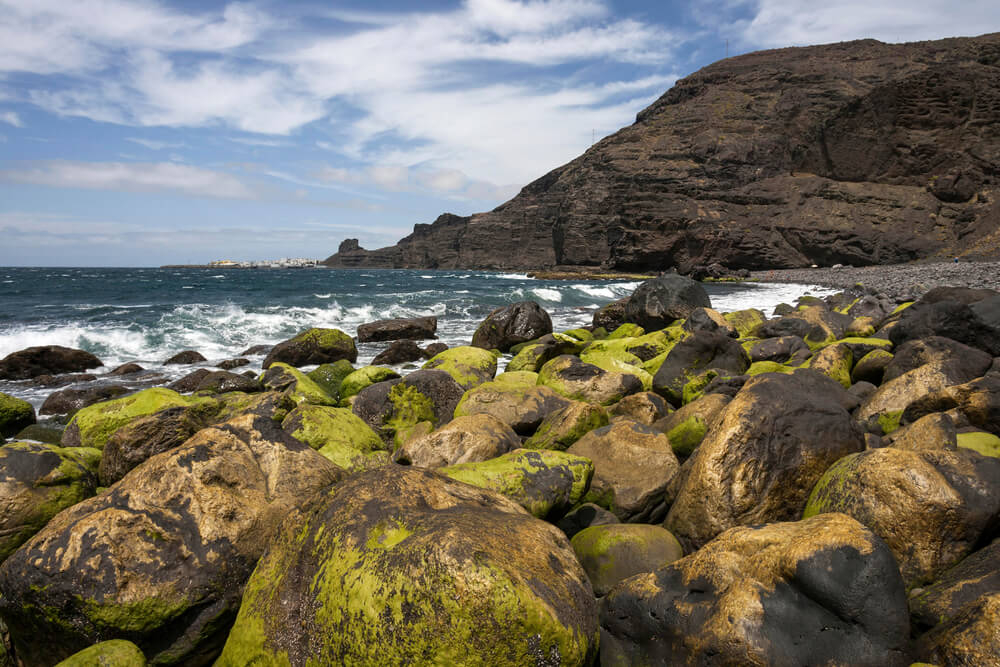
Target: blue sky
point(142, 132)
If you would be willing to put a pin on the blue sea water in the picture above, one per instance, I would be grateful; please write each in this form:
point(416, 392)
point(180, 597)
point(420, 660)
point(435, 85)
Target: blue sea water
point(147, 315)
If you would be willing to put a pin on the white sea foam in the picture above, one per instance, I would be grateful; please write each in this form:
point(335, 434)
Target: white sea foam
point(548, 294)
point(511, 276)
point(598, 291)
point(323, 296)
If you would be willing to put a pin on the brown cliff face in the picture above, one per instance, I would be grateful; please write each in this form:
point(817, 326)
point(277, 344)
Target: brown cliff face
point(857, 153)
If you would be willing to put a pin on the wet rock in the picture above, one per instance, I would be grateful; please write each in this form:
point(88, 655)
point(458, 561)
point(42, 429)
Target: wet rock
point(912, 354)
point(256, 350)
point(399, 352)
point(646, 408)
point(957, 590)
point(871, 367)
point(313, 346)
point(15, 414)
point(48, 432)
point(189, 383)
point(778, 350)
point(709, 320)
point(970, 639)
point(220, 382)
point(162, 557)
point(295, 384)
point(686, 427)
point(469, 366)
point(412, 328)
point(932, 432)
point(513, 398)
point(612, 553)
point(560, 429)
point(111, 653)
point(184, 358)
point(434, 349)
point(819, 592)
point(364, 377)
point(230, 364)
point(45, 360)
point(463, 440)
point(338, 434)
point(401, 564)
point(584, 516)
point(693, 355)
point(950, 319)
point(835, 362)
point(509, 325)
point(394, 407)
point(578, 380)
point(330, 376)
point(126, 369)
point(610, 316)
point(656, 303)
point(978, 401)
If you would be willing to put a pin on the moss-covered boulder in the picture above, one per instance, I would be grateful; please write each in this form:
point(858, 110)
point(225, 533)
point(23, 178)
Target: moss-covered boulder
point(985, 443)
point(971, 638)
point(313, 346)
point(578, 380)
point(38, 481)
point(633, 464)
point(562, 428)
point(394, 408)
point(544, 482)
point(895, 395)
point(533, 355)
point(111, 653)
point(645, 407)
point(338, 434)
point(686, 427)
point(162, 556)
point(834, 361)
point(404, 566)
point(626, 330)
point(696, 354)
point(469, 366)
point(329, 376)
point(516, 401)
point(295, 384)
point(362, 378)
point(15, 414)
point(862, 327)
point(931, 507)
point(612, 553)
point(462, 440)
point(509, 325)
point(745, 321)
point(763, 456)
point(933, 432)
point(871, 367)
point(94, 424)
point(819, 592)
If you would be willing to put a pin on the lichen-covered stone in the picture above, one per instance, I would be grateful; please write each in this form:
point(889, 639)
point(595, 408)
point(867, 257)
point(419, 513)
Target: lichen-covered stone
point(562, 428)
point(871, 367)
point(578, 380)
point(834, 361)
point(763, 456)
point(404, 566)
point(313, 346)
point(462, 440)
point(162, 556)
point(338, 434)
point(544, 482)
point(364, 377)
point(612, 553)
point(930, 506)
point(15, 414)
point(819, 592)
point(761, 367)
point(626, 330)
point(111, 653)
point(985, 443)
point(971, 638)
point(330, 376)
point(633, 464)
point(686, 427)
point(745, 321)
point(469, 366)
point(94, 424)
point(896, 394)
point(394, 408)
point(645, 407)
point(696, 354)
point(38, 481)
point(957, 590)
point(295, 384)
point(516, 401)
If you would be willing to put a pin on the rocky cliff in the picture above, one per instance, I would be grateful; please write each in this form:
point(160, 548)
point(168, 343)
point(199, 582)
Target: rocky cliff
point(855, 153)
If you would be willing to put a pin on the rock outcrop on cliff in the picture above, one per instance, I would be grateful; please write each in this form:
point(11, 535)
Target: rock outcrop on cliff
point(854, 153)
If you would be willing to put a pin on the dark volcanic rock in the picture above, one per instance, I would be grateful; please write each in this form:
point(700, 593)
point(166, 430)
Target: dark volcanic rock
point(70, 400)
point(400, 352)
point(780, 158)
point(507, 326)
point(46, 360)
point(313, 346)
point(413, 328)
point(658, 302)
point(127, 369)
point(185, 357)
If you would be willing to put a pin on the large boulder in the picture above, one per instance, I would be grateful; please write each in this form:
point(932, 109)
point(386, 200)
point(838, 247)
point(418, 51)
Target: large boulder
point(610, 316)
point(45, 360)
point(656, 303)
point(578, 380)
point(915, 353)
point(411, 328)
point(930, 506)
point(330, 376)
point(37, 482)
point(507, 326)
point(469, 366)
point(338, 434)
point(111, 653)
point(15, 415)
point(686, 427)
point(363, 377)
point(819, 592)
point(399, 352)
point(611, 553)
point(313, 346)
point(404, 566)
point(395, 407)
point(971, 638)
point(462, 440)
point(696, 354)
point(779, 350)
point(295, 384)
point(160, 558)
point(514, 399)
point(763, 456)
point(951, 319)
point(978, 401)
point(68, 401)
point(560, 429)
point(221, 382)
point(633, 464)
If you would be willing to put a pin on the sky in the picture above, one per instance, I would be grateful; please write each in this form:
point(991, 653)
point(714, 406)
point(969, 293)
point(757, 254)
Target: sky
point(148, 132)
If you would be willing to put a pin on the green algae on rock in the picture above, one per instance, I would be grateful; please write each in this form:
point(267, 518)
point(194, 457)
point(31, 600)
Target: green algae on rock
point(614, 552)
point(560, 429)
point(15, 415)
point(578, 380)
point(313, 346)
point(405, 566)
point(111, 653)
point(329, 376)
point(399, 409)
point(366, 376)
point(338, 434)
point(469, 366)
point(296, 385)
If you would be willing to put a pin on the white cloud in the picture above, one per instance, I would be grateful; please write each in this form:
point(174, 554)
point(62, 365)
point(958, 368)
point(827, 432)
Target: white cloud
point(154, 145)
point(249, 141)
point(449, 183)
point(131, 177)
point(11, 118)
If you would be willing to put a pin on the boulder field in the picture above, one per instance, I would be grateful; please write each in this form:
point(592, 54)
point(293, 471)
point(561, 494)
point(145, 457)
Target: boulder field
point(821, 487)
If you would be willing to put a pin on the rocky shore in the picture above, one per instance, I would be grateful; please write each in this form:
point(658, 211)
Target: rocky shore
point(671, 485)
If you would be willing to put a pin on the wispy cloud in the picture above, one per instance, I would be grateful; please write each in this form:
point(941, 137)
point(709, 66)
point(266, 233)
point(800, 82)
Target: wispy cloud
point(11, 118)
point(448, 183)
point(270, 143)
point(131, 177)
point(155, 145)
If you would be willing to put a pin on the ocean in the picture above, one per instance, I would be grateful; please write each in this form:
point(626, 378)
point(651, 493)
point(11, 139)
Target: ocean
point(146, 315)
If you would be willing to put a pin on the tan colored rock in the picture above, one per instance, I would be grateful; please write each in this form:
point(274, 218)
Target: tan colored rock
point(972, 638)
point(932, 432)
point(463, 440)
point(578, 380)
point(687, 427)
point(761, 460)
point(644, 407)
point(614, 552)
point(896, 394)
point(522, 406)
point(560, 429)
point(977, 401)
point(834, 361)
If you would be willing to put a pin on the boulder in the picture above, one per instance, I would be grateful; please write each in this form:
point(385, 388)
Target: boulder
point(764, 455)
point(950, 319)
point(111, 653)
point(516, 401)
point(394, 407)
point(871, 367)
point(189, 383)
point(978, 401)
point(411, 328)
point(230, 364)
point(48, 432)
point(330, 376)
point(509, 325)
point(256, 350)
point(695, 354)
point(930, 506)
point(532, 356)
point(931, 432)
point(45, 360)
point(15, 415)
point(162, 556)
point(957, 590)
point(745, 321)
point(338, 434)
point(912, 354)
point(656, 303)
point(633, 464)
point(709, 320)
point(37, 481)
point(835, 362)
point(404, 566)
point(819, 592)
point(544, 482)
point(366, 376)
point(985, 443)
point(399, 352)
point(560, 429)
point(686, 427)
point(645, 407)
point(584, 516)
point(970, 639)
point(614, 552)
point(68, 401)
point(128, 369)
point(434, 349)
point(779, 350)
point(220, 382)
point(463, 440)
point(610, 316)
point(469, 366)
point(295, 384)
point(184, 358)
point(313, 346)
point(578, 380)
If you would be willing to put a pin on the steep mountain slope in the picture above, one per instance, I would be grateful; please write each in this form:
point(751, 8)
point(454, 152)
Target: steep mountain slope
point(859, 153)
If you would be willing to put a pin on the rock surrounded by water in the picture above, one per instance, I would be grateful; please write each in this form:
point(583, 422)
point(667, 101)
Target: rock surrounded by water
point(795, 502)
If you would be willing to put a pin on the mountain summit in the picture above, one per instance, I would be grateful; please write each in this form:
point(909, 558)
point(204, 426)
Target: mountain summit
point(857, 153)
